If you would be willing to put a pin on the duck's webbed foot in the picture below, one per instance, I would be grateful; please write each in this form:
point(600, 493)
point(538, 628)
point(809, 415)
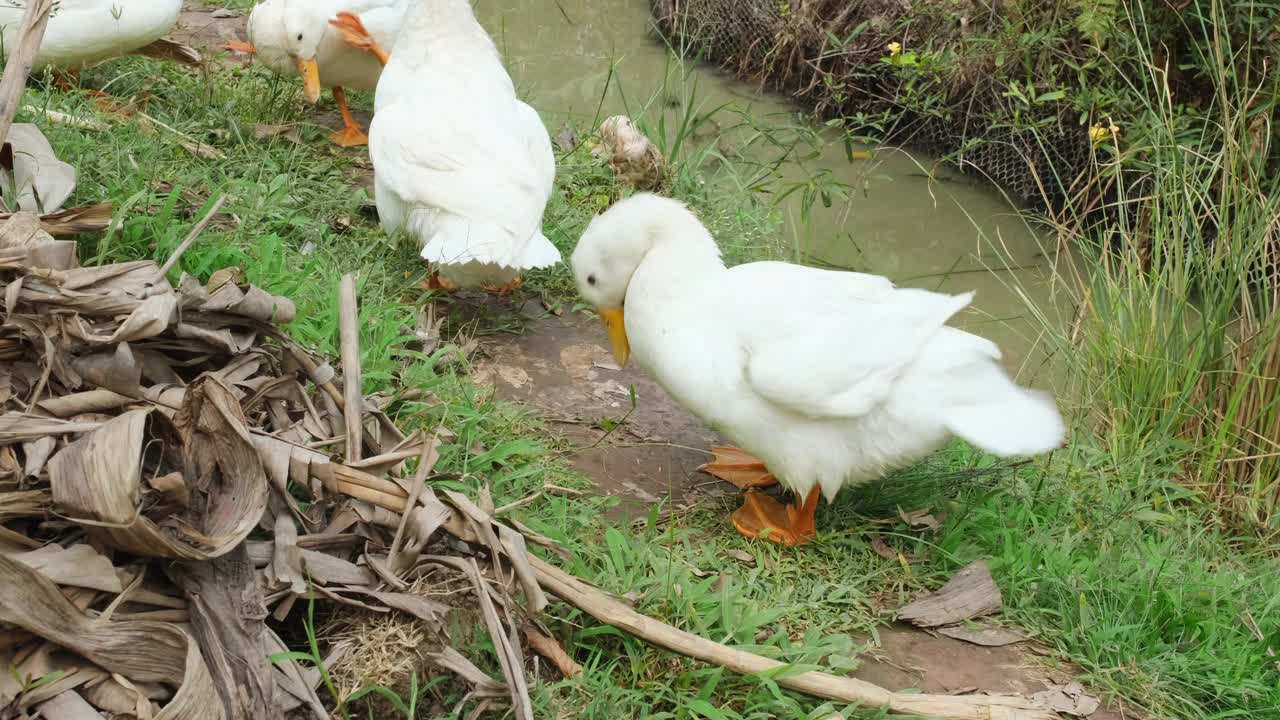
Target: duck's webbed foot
point(358, 36)
point(763, 517)
point(733, 465)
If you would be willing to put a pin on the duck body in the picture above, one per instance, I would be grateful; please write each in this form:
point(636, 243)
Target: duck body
point(890, 384)
point(81, 33)
point(460, 163)
point(830, 378)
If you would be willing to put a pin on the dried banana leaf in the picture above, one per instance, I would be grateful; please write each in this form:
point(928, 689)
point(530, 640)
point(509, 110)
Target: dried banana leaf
point(98, 479)
point(138, 650)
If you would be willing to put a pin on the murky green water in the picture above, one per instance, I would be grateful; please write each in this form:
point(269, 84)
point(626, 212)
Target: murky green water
point(943, 234)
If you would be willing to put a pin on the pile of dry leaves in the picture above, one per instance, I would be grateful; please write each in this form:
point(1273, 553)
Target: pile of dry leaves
point(173, 471)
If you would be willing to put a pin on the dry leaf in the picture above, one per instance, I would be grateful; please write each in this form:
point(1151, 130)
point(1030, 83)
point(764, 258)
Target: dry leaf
point(292, 133)
point(76, 566)
point(137, 649)
point(971, 593)
point(920, 519)
point(1070, 698)
point(42, 180)
point(985, 635)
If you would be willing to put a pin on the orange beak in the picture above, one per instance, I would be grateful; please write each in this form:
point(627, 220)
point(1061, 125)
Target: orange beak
point(310, 72)
point(613, 320)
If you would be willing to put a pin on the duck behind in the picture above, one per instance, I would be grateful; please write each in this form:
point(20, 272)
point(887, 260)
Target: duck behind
point(460, 163)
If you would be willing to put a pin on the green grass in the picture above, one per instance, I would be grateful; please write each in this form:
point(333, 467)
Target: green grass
point(1101, 551)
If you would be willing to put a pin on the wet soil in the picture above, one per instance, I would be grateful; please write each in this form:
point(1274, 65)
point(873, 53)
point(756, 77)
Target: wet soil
point(646, 455)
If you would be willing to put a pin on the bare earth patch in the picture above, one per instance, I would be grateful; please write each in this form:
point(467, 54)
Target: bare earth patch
point(562, 365)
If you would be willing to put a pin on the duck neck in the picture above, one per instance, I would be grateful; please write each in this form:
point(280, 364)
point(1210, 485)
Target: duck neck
point(677, 259)
point(441, 26)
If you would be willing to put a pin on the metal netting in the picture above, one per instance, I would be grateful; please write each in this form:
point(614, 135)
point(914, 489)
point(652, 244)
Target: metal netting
point(826, 54)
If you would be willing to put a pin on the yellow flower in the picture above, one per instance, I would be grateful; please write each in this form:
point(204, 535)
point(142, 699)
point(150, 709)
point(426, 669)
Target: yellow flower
point(894, 48)
point(1098, 133)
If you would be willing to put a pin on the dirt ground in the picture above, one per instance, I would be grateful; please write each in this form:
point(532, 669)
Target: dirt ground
point(561, 365)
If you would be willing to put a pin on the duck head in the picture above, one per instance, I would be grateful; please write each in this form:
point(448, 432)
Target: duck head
point(304, 28)
point(611, 250)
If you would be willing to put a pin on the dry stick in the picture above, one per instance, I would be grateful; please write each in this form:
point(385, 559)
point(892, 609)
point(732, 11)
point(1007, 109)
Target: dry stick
point(18, 64)
point(191, 236)
point(349, 331)
point(508, 658)
point(844, 689)
point(419, 479)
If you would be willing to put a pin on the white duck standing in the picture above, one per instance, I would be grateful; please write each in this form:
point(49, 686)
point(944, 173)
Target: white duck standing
point(460, 163)
point(309, 38)
point(830, 378)
point(81, 33)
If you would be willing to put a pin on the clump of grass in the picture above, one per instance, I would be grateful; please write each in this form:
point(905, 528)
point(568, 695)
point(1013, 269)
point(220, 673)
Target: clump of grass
point(1176, 346)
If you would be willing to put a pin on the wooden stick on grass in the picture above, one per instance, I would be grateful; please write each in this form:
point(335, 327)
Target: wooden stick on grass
point(21, 57)
point(843, 689)
point(349, 330)
point(191, 236)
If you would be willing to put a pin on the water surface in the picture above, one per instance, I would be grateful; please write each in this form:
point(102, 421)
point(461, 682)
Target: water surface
point(586, 59)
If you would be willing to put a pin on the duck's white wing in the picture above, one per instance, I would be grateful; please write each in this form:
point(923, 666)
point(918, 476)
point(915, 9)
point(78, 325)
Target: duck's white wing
point(467, 161)
point(831, 344)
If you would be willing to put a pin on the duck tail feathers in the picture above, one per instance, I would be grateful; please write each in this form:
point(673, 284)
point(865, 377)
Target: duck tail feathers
point(539, 252)
point(1007, 420)
point(457, 241)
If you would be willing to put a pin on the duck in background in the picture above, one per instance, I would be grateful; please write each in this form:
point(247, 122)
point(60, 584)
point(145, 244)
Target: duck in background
point(830, 379)
point(82, 33)
point(298, 38)
point(460, 163)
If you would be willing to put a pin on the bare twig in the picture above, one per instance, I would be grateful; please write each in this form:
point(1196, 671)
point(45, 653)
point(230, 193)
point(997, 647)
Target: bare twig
point(191, 236)
point(509, 658)
point(426, 461)
point(349, 330)
point(21, 58)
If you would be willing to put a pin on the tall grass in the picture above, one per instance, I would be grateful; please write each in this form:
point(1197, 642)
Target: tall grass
point(1176, 342)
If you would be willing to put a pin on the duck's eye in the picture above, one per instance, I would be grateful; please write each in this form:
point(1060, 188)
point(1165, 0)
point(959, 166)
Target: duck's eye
point(591, 279)
point(299, 37)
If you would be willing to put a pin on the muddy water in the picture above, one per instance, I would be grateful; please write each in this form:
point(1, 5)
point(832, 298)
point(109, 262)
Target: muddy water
point(587, 59)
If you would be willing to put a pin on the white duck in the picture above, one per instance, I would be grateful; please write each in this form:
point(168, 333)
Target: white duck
point(831, 378)
point(459, 162)
point(310, 38)
point(81, 33)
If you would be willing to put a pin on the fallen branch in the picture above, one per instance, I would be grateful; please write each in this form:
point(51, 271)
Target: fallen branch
point(191, 236)
point(18, 64)
point(349, 336)
point(843, 689)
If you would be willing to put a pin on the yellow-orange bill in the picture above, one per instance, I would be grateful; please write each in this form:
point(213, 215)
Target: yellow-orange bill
point(310, 72)
point(613, 320)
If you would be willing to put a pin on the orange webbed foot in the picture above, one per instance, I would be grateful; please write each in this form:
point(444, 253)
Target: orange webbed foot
point(507, 288)
point(349, 136)
point(357, 35)
point(239, 46)
point(740, 468)
point(763, 517)
point(436, 281)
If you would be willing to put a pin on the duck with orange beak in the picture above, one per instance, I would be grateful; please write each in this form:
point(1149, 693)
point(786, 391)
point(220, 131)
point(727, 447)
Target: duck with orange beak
point(309, 38)
point(829, 379)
